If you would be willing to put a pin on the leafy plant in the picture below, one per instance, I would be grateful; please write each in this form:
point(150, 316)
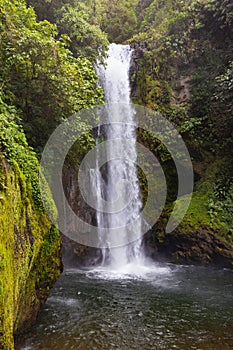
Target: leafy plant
point(39, 75)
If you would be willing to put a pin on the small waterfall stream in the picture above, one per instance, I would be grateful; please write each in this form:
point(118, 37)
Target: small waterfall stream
point(118, 178)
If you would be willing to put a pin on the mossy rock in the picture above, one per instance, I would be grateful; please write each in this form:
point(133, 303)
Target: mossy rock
point(201, 238)
point(30, 261)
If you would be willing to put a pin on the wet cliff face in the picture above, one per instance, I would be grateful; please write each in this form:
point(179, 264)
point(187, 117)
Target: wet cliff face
point(29, 255)
point(75, 255)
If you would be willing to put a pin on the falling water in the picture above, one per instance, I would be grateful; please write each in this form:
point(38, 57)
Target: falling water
point(114, 78)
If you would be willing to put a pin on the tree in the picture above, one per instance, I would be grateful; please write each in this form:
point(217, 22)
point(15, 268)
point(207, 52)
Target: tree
point(80, 21)
point(39, 75)
point(119, 20)
point(222, 108)
point(87, 39)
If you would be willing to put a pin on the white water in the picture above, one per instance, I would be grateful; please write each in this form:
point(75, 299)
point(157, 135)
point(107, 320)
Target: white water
point(114, 78)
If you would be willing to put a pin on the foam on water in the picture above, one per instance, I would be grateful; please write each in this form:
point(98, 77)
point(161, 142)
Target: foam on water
point(61, 300)
point(136, 270)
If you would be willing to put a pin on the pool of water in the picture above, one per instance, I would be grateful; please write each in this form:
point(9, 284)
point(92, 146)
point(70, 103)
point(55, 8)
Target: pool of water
point(139, 307)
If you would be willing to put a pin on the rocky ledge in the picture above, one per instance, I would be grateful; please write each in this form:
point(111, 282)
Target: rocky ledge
point(199, 247)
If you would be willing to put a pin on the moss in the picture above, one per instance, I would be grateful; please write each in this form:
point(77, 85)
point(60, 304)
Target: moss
point(203, 219)
point(27, 239)
point(200, 215)
point(26, 272)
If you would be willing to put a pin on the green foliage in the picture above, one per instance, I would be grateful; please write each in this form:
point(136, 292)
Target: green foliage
point(224, 89)
point(211, 204)
point(79, 21)
point(39, 75)
point(184, 70)
point(87, 39)
point(220, 205)
point(222, 110)
point(191, 39)
point(20, 155)
point(119, 19)
point(221, 11)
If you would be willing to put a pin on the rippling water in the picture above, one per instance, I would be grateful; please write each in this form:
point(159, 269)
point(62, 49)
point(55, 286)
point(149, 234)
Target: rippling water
point(159, 307)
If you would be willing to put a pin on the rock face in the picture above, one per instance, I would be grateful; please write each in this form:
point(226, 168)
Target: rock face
point(30, 260)
point(74, 254)
point(200, 247)
point(137, 59)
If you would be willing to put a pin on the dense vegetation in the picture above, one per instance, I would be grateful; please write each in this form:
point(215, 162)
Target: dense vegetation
point(40, 76)
point(186, 74)
point(183, 68)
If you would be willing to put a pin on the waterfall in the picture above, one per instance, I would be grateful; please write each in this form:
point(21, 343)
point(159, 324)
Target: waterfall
point(107, 180)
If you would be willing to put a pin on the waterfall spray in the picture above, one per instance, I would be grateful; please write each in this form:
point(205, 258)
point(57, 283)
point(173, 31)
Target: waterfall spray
point(114, 78)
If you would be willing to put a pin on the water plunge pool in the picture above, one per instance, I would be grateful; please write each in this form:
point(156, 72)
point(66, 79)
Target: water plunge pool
point(148, 307)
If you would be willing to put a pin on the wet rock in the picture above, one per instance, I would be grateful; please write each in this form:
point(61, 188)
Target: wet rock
point(75, 255)
point(201, 247)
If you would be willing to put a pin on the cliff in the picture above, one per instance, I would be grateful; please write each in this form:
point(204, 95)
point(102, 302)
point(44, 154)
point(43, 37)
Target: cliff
point(29, 254)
